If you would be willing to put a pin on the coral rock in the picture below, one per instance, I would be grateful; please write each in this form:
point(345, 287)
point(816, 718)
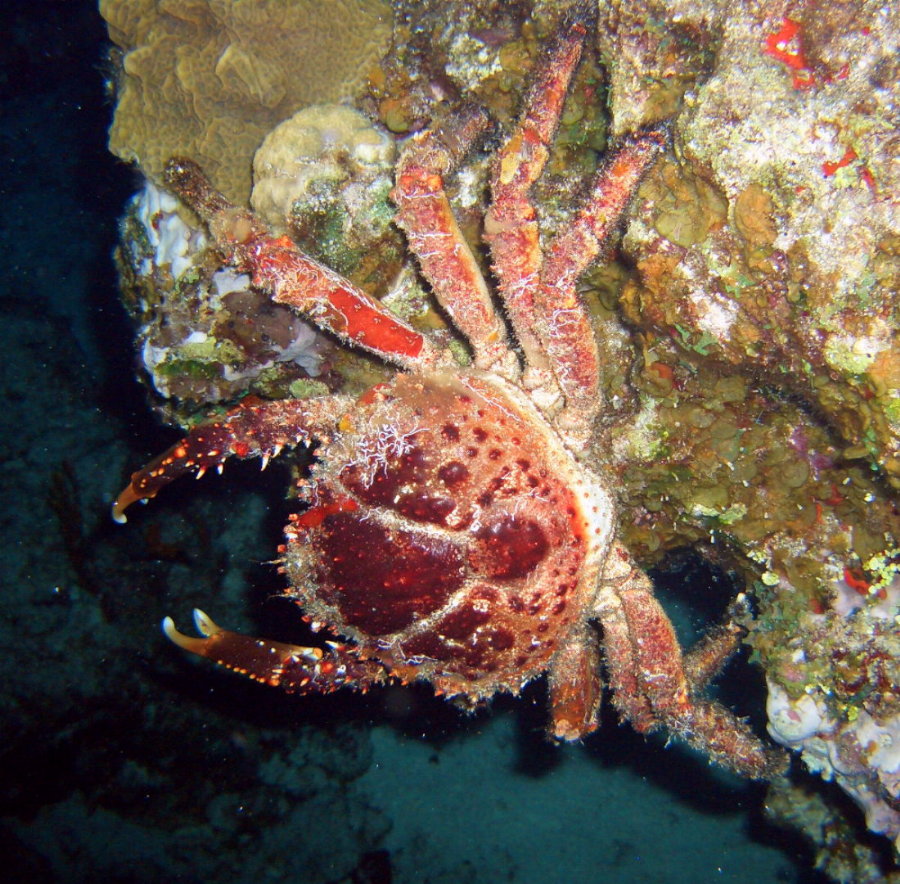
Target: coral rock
point(209, 78)
point(317, 142)
point(787, 123)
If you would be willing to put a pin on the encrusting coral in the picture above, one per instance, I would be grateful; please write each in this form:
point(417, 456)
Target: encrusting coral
point(764, 301)
point(773, 244)
point(324, 177)
point(204, 335)
point(210, 78)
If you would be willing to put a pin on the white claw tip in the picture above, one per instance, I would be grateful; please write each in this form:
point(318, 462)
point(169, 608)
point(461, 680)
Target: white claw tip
point(118, 517)
point(185, 642)
point(205, 624)
point(205, 627)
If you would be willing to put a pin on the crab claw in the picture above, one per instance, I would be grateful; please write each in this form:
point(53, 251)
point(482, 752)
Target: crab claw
point(252, 429)
point(293, 667)
point(206, 446)
point(260, 660)
point(123, 501)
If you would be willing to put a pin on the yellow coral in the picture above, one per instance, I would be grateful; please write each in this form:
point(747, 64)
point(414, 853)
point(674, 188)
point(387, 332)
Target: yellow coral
point(209, 78)
point(319, 143)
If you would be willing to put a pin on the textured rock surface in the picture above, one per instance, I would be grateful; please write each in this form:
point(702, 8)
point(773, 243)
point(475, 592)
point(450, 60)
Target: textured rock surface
point(204, 334)
point(772, 242)
point(764, 299)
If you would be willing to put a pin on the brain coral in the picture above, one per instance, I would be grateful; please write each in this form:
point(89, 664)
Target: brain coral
point(209, 78)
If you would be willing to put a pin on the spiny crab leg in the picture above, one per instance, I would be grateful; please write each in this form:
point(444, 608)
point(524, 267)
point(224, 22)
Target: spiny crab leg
point(544, 307)
point(655, 687)
point(510, 225)
point(576, 690)
point(258, 429)
point(293, 667)
point(704, 661)
point(280, 268)
point(569, 337)
point(434, 236)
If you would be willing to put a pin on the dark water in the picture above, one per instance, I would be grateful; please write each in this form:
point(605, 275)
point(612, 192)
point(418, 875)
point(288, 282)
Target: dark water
point(121, 760)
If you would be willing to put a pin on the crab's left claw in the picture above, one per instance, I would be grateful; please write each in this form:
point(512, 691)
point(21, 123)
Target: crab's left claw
point(252, 429)
point(204, 447)
point(292, 667)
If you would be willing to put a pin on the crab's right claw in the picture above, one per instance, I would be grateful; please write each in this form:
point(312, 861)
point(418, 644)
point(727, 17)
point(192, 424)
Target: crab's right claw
point(293, 667)
point(262, 660)
point(254, 429)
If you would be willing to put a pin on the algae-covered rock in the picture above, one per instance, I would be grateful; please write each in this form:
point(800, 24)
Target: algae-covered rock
point(204, 334)
point(789, 129)
point(765, 304)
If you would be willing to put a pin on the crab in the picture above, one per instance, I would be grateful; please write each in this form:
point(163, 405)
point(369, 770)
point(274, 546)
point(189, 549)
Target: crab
point(455, 530)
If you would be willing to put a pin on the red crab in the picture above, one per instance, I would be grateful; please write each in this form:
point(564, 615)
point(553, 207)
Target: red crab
point(455, 531)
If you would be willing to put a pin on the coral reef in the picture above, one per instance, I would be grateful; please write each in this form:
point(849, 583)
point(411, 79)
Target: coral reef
point(839, 852)
point(765, 298)
point(204, 334)
point(753, 480)
point(324, 176)
point(834, 697)
point(210, 78)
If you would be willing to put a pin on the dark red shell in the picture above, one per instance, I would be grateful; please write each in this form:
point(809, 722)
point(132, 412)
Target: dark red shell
point(445, 539)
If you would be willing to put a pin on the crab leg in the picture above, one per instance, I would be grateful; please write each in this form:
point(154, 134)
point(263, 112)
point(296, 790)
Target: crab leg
point(547, 314)
point(575, 689)
point(652, 682)
point(293, 667)
point(434, 236)
point(628, 694)
point(280, 268)
point(704, 661)
point(511, 228)
point(251, 430)
point(570, 339)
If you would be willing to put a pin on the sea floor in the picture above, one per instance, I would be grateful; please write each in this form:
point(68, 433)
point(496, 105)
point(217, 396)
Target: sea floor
point(464, 813)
